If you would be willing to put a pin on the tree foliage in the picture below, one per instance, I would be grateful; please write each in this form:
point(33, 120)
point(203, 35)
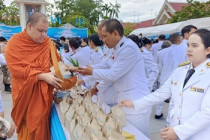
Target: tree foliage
point(2, 5)
point(194, 9)
point(91, 10)
point(12, 15)
point(128, 28)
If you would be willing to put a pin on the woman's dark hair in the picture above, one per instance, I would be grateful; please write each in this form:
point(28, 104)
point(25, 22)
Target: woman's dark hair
point(75, 42)
point(146, 41)
point(66, 47)
point(136, 39)
point(204, 35)
point(96, 40)
point(85, 40)
point(57, 44)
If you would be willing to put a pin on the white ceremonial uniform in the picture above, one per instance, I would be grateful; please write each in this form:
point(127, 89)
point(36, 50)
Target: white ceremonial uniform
point(155, 48)
point(82, 55)
point(168, 60)
point(127, 73)
point(190, 116)
point(151, 68)
point(95, 58)
point(179, 54)
point(106, 90)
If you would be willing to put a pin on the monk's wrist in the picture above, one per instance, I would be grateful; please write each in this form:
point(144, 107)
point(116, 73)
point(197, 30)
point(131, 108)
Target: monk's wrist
point(41, 76)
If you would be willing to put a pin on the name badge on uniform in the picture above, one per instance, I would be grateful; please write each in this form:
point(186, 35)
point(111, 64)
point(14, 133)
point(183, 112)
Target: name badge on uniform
point(197, 89)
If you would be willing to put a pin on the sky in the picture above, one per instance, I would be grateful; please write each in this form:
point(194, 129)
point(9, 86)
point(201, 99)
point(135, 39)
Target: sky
point(135, 10)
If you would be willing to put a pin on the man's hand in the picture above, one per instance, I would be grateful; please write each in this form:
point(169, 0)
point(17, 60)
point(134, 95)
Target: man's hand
point(126, 103)
point(50, 79)
point(85, 71)
point(168, 134)
point(80, 82)
point(94, 89)
point(11, 130)
point(71, 68)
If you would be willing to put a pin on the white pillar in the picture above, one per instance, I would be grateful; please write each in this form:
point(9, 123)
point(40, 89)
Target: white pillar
point(43, 9)
point(22, 16)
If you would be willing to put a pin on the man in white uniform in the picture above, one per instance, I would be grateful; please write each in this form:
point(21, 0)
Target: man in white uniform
point(168, 61)
point(127, 72)
point(186, 32)
point(157, 46)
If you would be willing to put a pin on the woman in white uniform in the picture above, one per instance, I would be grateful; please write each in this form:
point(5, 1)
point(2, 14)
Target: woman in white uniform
point(95, 44)
point(81, 54)
point(189, 89)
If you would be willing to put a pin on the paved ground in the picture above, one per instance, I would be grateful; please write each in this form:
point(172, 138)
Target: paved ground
point(155, 125)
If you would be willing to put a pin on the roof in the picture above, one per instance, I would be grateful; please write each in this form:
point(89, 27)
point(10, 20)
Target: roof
point(143, 24)
point(177, 6)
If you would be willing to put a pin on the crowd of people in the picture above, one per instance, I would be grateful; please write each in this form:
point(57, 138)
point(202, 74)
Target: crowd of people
point(133, 72)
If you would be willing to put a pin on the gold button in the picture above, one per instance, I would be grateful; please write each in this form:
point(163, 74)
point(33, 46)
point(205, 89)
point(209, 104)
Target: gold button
point(180, 94)
point(177, 118)
point(179, 106)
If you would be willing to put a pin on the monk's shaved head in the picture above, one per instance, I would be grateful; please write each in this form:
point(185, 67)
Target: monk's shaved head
point(37, 26)
point(36, 17)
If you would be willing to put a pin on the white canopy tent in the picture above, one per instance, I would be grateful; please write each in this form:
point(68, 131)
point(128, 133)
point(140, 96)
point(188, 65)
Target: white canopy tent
point(172, 28)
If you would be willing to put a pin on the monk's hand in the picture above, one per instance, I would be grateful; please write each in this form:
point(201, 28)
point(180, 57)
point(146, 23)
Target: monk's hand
point(71, 68)
point(168, 133)
point(126, 103)
point(50, 79)
point(11, 130)
point(85, 71)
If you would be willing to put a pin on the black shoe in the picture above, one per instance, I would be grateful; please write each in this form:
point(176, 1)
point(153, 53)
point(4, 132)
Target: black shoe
point(167, 100)
point(158, 116)
point(2, 138)
point(7, 87)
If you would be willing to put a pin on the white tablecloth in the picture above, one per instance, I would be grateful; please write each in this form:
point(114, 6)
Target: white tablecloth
point(129, 128)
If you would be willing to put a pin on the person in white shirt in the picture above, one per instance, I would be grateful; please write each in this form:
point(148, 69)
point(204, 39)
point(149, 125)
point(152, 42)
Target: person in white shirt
point(127, 73)
point(81, 54)
point(66, 53)
point(95, 44)
point(189, 88)
point(186, 32)
point(157, 46)
point(168, 60)
point(95, 58)
point(151, 68)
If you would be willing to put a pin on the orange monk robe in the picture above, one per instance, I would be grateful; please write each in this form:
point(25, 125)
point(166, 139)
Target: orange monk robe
point(32, 98)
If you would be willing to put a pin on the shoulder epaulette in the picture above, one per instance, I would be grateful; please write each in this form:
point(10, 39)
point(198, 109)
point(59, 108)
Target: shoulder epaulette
point(208, 64)
point(96, 49)
point(184, 63)
point(141, 50)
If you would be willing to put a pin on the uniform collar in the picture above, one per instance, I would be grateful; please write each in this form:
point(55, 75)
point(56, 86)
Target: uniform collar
point(120, 43)
point(199, 70)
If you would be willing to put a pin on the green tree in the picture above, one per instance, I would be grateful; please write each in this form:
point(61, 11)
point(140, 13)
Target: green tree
point(2, 6)
point(194, 9)
point(12, 15)
point(128, 28)
point(110, 10)
point(114, 10)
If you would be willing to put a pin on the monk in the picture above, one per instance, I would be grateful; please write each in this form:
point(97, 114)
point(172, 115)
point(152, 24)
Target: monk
point(28, 57)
